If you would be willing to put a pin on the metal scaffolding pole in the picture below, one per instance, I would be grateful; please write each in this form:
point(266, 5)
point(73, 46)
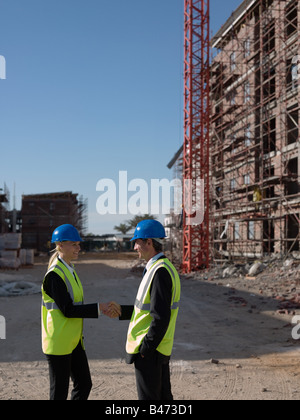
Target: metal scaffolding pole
point(196, 234)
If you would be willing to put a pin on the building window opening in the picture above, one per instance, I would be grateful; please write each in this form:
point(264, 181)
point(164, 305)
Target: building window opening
point(291, 16)
point(292, 126)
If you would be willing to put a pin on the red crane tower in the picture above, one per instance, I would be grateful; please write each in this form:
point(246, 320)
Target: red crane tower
point(196, 232)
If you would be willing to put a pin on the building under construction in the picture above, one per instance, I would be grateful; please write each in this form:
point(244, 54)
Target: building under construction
point(254, 161)
point(4, 200)
point(42, 213)
point(255, 149)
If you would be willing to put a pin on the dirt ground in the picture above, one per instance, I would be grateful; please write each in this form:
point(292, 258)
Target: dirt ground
point(229, 322)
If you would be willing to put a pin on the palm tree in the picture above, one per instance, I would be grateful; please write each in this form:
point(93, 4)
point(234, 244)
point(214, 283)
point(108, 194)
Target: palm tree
point(132, 223)
point(122, 228)
point(137, 219)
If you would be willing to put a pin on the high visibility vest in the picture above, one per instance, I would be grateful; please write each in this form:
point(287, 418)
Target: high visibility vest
point(61, 335)
point(141, 317)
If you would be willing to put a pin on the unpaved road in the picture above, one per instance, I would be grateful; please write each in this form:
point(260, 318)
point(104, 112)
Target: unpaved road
point(258, 359)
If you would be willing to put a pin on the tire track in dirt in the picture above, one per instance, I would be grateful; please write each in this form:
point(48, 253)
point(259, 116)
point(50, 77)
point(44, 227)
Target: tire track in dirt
point(230, 379)
point(254, 380)
point(275, 365)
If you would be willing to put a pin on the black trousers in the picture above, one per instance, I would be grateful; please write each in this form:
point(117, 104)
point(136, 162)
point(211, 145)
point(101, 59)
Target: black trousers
point(153, 378)
point(62, 368)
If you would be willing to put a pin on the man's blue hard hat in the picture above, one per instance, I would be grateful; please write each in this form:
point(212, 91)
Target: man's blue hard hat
point(149, 229)
point(66, 233)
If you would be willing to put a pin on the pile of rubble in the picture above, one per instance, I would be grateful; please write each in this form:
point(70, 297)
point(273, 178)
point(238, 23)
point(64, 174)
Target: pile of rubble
point(17, 285)
point(19, 288)
point(274, 277)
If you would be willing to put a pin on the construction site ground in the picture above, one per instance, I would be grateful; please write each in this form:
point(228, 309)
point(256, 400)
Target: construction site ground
point(231, 342)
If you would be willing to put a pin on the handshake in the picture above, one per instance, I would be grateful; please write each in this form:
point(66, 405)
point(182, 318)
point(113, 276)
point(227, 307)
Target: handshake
point(111, 309)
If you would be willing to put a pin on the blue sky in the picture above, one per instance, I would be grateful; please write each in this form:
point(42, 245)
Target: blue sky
point(93, 87)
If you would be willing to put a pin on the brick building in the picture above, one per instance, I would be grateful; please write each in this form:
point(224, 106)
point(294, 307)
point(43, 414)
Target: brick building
point(42, 213)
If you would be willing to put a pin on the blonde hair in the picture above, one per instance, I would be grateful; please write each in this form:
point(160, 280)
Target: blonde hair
point(54, 256)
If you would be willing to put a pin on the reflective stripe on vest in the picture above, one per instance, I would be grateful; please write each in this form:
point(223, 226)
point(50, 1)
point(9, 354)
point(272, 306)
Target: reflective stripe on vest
point(147, 306)
point(50, 306)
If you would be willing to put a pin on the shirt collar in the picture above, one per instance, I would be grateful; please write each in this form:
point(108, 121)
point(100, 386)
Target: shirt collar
point(153, 260)
point(69, 267)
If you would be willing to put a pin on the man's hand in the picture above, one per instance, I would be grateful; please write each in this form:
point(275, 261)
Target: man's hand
point(111, 309)
point(115, 308)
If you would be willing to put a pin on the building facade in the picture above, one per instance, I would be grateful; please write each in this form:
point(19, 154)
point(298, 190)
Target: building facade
point(255, 149)
point(42, 213)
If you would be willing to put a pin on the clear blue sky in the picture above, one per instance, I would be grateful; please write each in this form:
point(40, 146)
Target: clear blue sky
point(93, 87)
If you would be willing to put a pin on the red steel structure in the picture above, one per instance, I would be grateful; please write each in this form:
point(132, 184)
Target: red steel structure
point(196, 234)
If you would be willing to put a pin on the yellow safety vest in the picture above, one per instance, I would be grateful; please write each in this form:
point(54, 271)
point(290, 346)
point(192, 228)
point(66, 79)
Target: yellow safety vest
point(141, 317)
point(61, 335)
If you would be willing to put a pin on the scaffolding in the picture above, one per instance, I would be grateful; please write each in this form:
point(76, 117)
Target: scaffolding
point(255, 149)
point(82, 215)
point(196, 236)
point(4, 207)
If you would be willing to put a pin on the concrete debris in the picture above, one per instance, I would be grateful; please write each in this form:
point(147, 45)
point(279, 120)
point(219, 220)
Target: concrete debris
point(286, 268)
point(230, 271)
point(17, 285)
point(256, 268)
point(272, 278)
point(242, 270)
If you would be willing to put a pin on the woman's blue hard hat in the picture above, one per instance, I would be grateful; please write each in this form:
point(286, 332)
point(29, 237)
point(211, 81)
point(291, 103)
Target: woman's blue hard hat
point(149, 229)
point(66, 233)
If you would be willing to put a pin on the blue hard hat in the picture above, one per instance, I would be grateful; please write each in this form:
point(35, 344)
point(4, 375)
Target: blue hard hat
point(66, 233)
point(149, 229)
